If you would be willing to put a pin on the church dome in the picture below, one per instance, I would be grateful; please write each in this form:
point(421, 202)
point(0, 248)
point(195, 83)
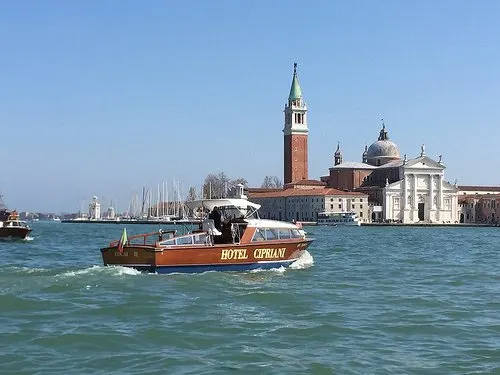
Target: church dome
point(383, 150)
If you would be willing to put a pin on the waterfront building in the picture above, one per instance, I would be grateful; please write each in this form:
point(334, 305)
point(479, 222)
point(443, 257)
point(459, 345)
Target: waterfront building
point(479, 204)
point(304, 203)
point(95, 209)
point(400, 190)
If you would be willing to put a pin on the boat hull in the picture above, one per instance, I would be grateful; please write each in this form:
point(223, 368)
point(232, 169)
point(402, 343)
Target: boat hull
point(14, 233)
point(235, 257)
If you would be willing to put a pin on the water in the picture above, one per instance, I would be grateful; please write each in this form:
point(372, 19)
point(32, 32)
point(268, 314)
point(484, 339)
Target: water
point(376, 301)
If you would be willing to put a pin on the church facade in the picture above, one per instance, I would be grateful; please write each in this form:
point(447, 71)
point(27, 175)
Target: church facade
point(421, 195)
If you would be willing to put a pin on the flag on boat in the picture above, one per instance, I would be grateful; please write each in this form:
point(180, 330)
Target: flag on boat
point(123, 240)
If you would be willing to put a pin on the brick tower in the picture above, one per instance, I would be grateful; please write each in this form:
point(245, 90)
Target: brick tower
point(295, 134)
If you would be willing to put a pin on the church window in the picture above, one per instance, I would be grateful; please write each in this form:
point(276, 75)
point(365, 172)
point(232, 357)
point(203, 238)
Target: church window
point(360, 213)
point(447, 203)
point(340, 206)
point(331, 207)
point(378, 161)
point(396, 203)
point(361, 206)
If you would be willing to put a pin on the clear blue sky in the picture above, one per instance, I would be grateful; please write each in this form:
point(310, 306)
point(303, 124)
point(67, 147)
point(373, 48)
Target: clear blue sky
point(104, 97)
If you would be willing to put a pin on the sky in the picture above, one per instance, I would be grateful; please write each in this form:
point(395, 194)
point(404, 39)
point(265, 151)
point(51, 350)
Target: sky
point(103, 97)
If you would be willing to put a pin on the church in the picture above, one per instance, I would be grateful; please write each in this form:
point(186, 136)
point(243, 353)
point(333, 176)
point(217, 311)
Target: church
point(400, 190)
point(381, 188)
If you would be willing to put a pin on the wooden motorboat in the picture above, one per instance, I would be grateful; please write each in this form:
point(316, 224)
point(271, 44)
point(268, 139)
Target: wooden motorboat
point(232, 237)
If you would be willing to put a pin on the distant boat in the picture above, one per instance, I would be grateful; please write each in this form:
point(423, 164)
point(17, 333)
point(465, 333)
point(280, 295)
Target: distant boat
point(55, 218)
point(11, 228)
point(338, 218)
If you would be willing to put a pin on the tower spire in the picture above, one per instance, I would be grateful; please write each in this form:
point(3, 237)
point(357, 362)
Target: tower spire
point(383, 133)
point(295, 134)
point(337, 157)
point(295, 92)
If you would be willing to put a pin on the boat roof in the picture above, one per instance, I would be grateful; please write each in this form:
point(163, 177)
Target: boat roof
point(225, 202)
point(266, 223)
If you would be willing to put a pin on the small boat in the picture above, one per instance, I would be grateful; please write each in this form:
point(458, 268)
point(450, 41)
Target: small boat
point(11, 228)
point(338, 218)
point(232, 238)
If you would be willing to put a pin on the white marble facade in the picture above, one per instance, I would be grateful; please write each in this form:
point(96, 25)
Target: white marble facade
point(421, 195)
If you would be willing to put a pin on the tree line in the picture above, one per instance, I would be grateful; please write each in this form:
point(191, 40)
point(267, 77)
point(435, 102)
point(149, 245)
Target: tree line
point(219, 185)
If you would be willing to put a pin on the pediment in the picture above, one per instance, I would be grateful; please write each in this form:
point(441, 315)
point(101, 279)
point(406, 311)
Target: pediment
point(424, 162)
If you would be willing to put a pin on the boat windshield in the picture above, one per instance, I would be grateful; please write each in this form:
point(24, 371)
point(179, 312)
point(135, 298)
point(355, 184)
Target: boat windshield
point(231, 212)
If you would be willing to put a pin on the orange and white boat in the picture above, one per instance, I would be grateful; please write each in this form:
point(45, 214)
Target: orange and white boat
point(11, 228)
point(242, 241)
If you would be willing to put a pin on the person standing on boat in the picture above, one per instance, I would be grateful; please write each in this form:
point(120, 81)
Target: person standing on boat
point(216, 216)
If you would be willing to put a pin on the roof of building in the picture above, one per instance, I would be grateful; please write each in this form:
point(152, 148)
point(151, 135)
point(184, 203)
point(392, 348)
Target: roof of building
point(306, 183)
point(295, 92)
point(353, 165)
point(392, 164)
point(303, 193)
point(262, 190)
point(478, 188)
point(383, 147)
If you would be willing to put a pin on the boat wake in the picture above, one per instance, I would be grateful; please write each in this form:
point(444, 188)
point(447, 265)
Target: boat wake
point(305, 261)
point(108, 270)
point(280, 269)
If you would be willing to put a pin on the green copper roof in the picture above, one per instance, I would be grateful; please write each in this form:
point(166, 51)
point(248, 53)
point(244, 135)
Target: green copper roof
point(295, 92)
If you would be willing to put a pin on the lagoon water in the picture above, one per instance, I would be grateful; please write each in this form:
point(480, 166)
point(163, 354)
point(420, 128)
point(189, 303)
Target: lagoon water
point(374, 301)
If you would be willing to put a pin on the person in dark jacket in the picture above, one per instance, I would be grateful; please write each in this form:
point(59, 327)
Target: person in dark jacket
point(216, 216)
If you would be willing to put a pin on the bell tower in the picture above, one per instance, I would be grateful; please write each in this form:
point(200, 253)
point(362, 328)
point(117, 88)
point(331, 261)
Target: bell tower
point(295, 134)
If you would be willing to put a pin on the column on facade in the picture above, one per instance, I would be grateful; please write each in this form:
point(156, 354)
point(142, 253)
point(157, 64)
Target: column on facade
point(414, 192)
point(431, 179)
point(405, 192)
point(440, 191)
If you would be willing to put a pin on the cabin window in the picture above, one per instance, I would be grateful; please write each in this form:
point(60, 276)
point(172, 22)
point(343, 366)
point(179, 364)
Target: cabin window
point(258, 235)
point(284, 233)
point(168, 242)
point(185, 240)
point(200, 238)
point(296, 233)
point(271, 234)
